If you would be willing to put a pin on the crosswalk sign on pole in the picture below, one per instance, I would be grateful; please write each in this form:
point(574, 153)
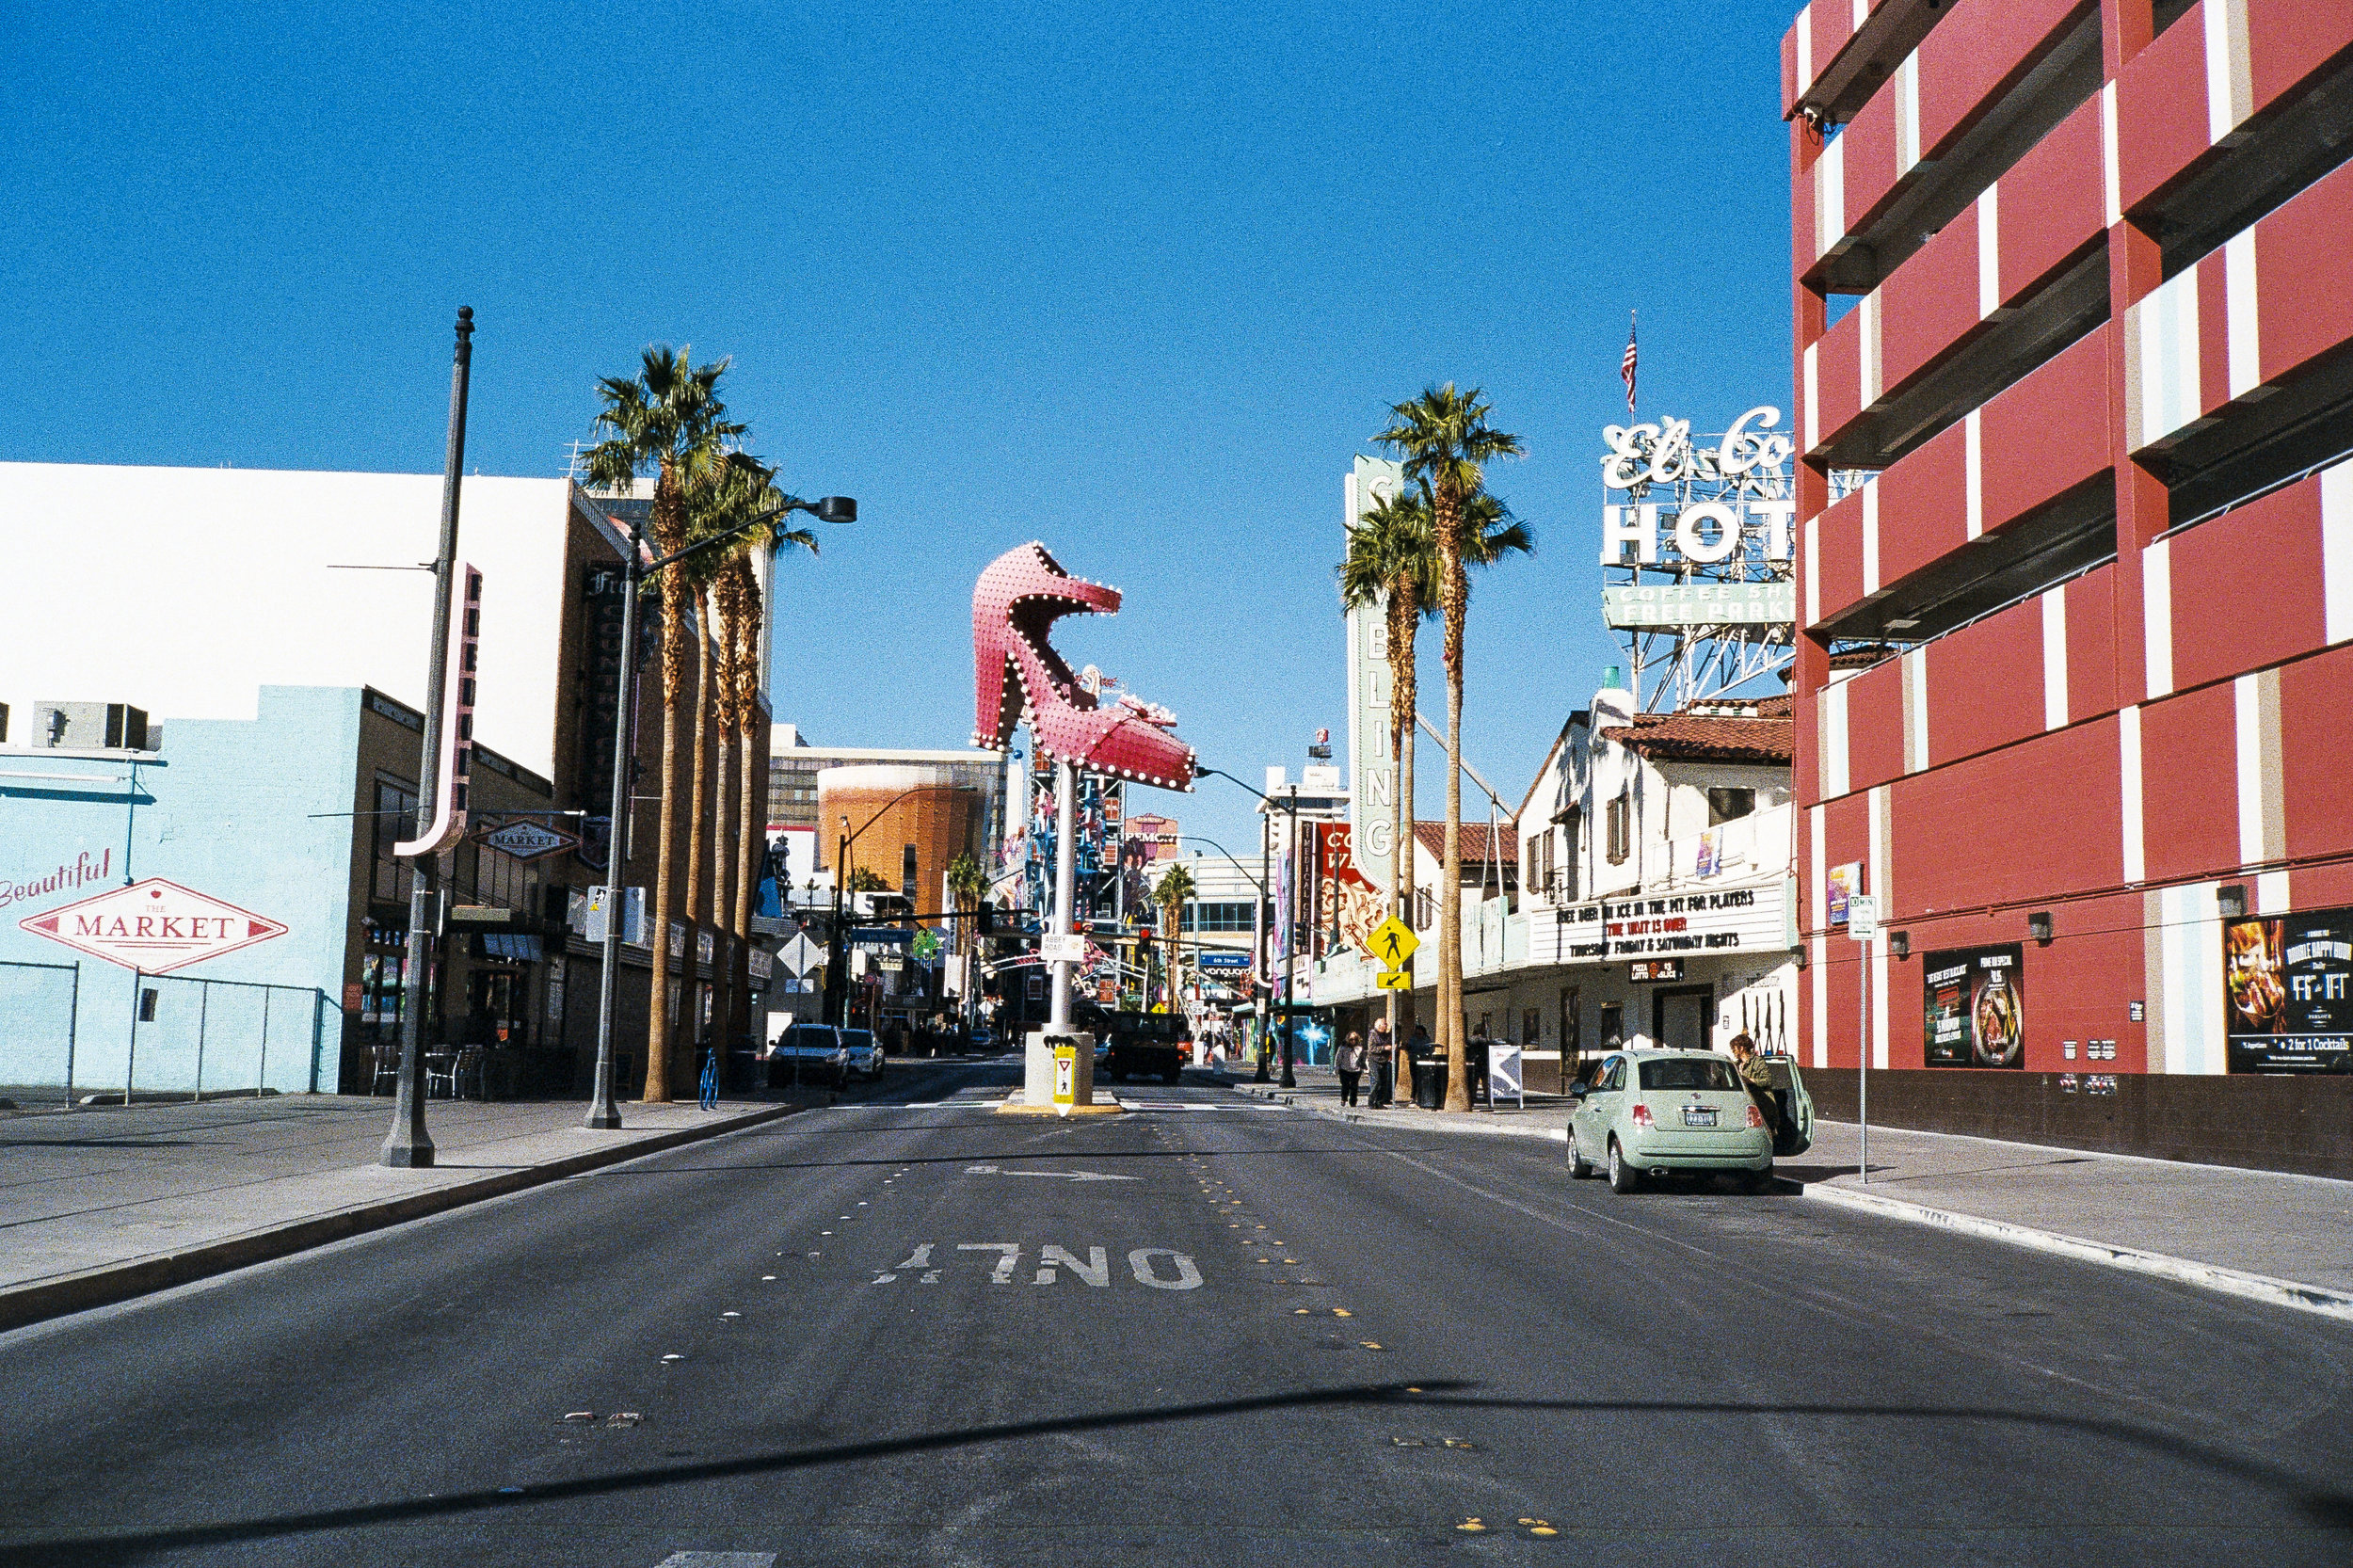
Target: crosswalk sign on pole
point(1390, 944)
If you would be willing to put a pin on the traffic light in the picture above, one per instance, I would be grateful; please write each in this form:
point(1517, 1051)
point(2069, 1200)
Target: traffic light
point(986, 923)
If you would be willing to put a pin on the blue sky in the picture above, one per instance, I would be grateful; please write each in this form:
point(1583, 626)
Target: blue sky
point(1138, 282)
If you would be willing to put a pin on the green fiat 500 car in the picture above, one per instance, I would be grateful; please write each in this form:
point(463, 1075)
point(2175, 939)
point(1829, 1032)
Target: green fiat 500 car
point(1675, 1112)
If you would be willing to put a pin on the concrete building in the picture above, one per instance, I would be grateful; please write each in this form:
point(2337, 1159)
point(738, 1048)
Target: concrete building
point(2074, 291)
point(272, 627)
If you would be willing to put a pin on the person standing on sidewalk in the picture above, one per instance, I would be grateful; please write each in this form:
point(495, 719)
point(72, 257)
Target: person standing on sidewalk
point(1383, 1053)
point(1348, 1062)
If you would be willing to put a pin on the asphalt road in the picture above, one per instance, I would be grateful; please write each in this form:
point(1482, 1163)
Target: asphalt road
point(1210, 1332)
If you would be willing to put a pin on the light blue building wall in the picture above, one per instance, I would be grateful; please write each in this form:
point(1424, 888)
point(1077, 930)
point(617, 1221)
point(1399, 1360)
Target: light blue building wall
point(256, 814)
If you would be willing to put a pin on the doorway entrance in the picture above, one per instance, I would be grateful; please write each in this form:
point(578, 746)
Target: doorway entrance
point(1679, 1016)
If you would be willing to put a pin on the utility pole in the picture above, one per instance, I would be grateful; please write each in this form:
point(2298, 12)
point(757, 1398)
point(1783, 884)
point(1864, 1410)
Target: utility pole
point(1291, 936)
point(407, 1145)
point(604, 1116)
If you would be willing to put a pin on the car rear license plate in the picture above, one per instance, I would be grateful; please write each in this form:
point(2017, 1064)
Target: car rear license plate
point(1699, 1115)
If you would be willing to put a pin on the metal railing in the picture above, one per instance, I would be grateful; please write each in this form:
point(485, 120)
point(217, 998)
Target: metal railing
point(23, 1061)
point(184, 1035)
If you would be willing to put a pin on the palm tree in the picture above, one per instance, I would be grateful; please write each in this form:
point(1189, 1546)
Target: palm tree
point(1174, 888)
point(968, 885)
point(1392, 561)
point(746, 623)
point(1446, 443)
point(671, 419)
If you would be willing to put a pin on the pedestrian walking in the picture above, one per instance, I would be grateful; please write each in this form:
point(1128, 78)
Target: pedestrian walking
point(1382, 1050)
point(1757, 1079)
point(1348, 1062)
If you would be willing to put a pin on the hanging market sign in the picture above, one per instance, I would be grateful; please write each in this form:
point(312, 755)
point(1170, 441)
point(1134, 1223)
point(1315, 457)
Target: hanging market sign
point(527, 840)
point(154, 926)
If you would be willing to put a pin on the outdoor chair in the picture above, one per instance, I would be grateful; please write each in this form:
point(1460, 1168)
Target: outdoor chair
point(387, 1067)
point(448, 1072)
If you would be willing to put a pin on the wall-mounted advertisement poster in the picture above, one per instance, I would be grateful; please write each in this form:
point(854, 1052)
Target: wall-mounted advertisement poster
point(1976, 1007)
point(1843, 882)
point(2286, 980)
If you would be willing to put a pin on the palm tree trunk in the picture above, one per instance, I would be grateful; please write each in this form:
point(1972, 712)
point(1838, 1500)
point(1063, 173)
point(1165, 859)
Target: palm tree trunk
point(1453, 590)
point(1404, 613)
point(657, 1090)
point(666, 531)
point(751, 815)
point(722, 862)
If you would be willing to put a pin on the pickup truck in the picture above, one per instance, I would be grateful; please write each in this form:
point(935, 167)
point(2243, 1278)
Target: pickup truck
point(807, 1053)
point(1145, 1043)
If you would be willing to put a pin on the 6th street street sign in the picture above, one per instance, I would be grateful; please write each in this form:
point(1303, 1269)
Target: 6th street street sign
point(155, 926)
point(1391, 943)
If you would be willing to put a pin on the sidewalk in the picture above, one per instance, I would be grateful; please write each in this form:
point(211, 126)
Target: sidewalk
point(99, 1206)
point(2283, 1239)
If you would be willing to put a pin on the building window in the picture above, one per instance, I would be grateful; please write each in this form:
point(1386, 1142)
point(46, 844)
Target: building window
point(1725, 805)
point(1620, 824)
point(1425, 909)
point(395, 811)
point(1216, 917)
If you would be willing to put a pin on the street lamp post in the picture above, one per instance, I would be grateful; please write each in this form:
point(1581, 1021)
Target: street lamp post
point(1289, 806)
point(837, 956)
point(604, 1114)
point(407, 1146)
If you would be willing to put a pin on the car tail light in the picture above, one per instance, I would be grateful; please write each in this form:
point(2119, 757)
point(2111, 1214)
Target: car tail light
point(1641, 1116)
point(1757, 1117)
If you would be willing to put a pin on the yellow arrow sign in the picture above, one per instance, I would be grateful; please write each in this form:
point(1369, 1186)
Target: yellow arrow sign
point(1394, 979)
point(1391, 943)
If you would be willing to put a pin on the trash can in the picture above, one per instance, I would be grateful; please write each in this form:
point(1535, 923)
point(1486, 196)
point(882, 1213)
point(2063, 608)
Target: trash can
point(1430, 1084)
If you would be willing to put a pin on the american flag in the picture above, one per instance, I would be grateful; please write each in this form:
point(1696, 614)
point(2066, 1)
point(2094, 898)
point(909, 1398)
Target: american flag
point(1625, 366)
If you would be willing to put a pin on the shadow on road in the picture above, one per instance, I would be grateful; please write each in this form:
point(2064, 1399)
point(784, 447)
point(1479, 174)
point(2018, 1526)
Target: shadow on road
point(2322, 1507)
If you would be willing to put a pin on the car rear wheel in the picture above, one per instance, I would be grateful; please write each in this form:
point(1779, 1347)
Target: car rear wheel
point(1174, 1075)
point(1623, 1178)
point(1756, 1181)
point(1580, 1167)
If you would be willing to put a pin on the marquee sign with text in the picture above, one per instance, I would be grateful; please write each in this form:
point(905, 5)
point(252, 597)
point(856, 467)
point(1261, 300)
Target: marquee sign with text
point(1694, 924)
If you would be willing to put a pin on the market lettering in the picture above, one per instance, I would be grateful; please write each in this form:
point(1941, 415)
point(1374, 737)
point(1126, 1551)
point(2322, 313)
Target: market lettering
point(189, 928)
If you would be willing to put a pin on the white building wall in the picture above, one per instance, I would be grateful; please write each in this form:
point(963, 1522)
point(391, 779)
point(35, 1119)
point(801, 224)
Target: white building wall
point(184, 591)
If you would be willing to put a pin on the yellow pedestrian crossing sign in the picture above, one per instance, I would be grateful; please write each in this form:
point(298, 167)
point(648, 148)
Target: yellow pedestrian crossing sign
point(1394, 979)
point(1391, 943)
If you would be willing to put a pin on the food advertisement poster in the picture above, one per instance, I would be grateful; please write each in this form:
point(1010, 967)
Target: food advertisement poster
point(2285, 982)
point(1976, 1007)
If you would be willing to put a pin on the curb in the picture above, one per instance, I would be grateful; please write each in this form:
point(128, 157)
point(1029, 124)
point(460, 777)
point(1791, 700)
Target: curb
point(112, 1283)
point(2208, 1276)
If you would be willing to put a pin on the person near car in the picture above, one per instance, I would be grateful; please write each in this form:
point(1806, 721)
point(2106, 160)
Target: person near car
point(1348, 1062)
point(1758, 1079)
point(1381, 1050)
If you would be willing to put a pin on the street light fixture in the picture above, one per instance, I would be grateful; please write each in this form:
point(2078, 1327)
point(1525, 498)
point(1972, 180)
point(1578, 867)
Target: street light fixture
point(604, 1114)
point(1290, 934)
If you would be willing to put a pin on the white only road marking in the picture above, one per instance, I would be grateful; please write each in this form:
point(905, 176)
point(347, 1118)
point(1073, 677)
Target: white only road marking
point(1159, 1267)
point(1139, 1264)
point(1008, 1258)
point(1095, 1270)
point(718, 1560)
point(920, 1259)
point(1055, 1176)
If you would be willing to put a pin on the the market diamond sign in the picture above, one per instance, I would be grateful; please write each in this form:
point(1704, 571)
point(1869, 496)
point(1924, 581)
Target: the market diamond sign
point(528, 840)
point(154, 926)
